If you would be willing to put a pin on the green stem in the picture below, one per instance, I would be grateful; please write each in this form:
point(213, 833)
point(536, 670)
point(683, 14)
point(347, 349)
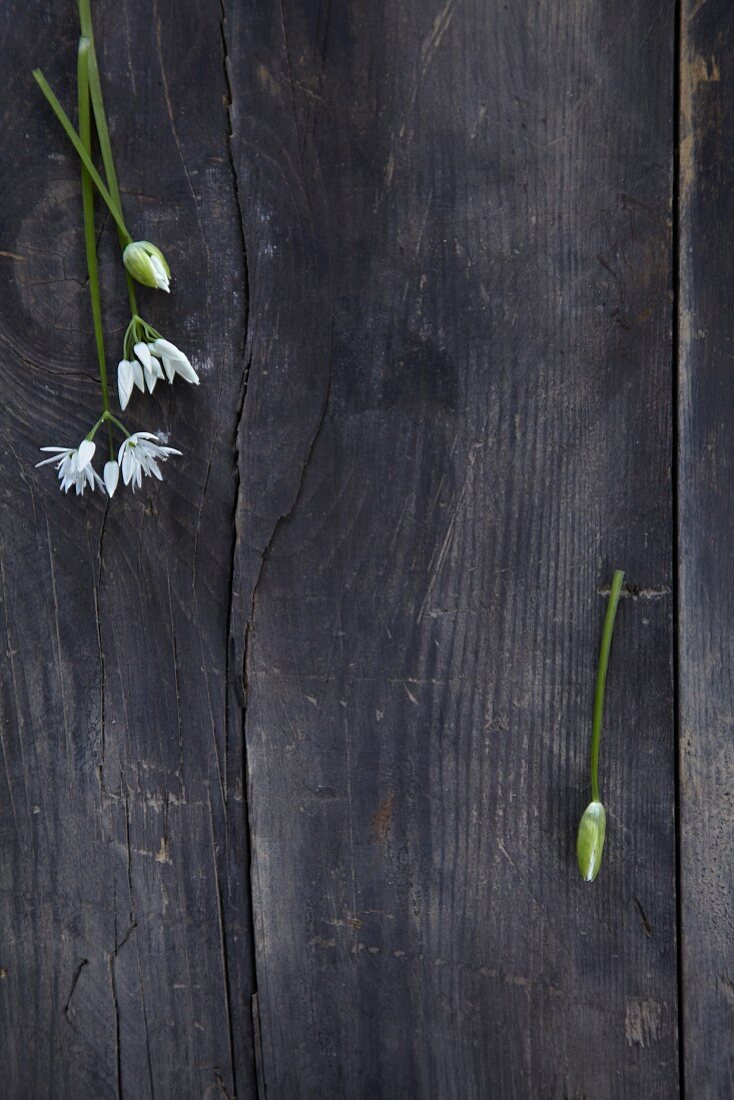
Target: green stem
point(601, 679)
point(93, 431)
point(90, 238)
point(103, 133)
point(109, 417)
point(131, 292)
point(85, 158)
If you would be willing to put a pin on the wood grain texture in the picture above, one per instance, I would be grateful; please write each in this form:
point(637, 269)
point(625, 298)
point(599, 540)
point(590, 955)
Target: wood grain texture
point(126, 966)
point(457, 422)
point(706, 545)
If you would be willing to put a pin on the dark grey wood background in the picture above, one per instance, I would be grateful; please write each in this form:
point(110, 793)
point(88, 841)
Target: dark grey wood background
point(294, 745)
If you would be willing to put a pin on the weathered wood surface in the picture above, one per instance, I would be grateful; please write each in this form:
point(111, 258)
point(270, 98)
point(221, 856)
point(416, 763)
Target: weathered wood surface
point(706, 547)
point(458, 421)
point(427, 279)
point(125, 891)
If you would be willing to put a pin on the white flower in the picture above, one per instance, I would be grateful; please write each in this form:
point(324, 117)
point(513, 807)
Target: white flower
point(129, 374)
point(146, 263)
point(174, 361)
point(150, 365)
point(74, 465)
point(140, 454)
point(111, 474)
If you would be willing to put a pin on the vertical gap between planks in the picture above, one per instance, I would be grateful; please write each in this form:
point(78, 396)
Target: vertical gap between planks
point(678, 45)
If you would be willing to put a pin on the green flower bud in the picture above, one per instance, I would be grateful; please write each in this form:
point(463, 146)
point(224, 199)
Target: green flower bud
point(147, 264)
point(590, 843)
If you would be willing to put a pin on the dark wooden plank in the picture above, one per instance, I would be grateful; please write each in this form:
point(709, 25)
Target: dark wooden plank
point(124, 910)
point(706, 532)
point(457, 422)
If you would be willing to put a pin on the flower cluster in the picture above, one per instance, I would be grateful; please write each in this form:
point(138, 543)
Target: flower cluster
point(147, 357)
point(139, 455)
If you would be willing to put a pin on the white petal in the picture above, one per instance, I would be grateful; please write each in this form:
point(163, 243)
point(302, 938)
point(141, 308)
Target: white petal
point(143, 353)
point(127, 466)
point(111, 476)
point(161, 279)
point(54, 458)
point(124, 382)
point(186, 371)
point(138, 375)
point(166, 349)
point(85, 453)
point(170, 368)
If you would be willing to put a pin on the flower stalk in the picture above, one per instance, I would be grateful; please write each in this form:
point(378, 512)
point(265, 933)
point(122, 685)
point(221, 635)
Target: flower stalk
point(592, 829)
point(103, 134)
point(601, 679)
point(90, 243)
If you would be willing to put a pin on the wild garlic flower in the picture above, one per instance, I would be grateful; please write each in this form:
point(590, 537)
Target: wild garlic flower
point(111, 475)
point(174, 361)
point(144, 367)
point(140, 454)
point(74, 466)
point(129, 374)
point(151, 366)
point(147, 264)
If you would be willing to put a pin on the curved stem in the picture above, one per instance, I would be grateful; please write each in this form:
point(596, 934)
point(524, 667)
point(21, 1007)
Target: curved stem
point(90, 240)
point(109, 417)
point(601, 679)
point(93, 431)
point(71, 133)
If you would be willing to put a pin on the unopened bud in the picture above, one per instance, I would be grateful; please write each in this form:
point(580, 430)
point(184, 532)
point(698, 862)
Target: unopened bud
point(590, 842)
point(147, 264)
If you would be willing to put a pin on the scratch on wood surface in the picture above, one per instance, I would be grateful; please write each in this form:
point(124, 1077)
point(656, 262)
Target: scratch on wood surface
point(382, 818)
point(643, 917)
point(429, 48)
point(642, 1022)
point(636, 592)
point(74, 981)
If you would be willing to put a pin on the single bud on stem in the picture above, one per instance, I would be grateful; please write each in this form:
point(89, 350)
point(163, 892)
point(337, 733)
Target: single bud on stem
point(590, 842)
point(592, 830)
point(147, 264)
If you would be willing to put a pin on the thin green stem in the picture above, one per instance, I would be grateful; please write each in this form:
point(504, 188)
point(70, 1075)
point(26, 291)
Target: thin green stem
point(601, 679)
point(100, 118)
point(109, 417)
point(85, 158)
point(131, 292)
point(103, 133)
point(93, 431)
point(90, 237)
